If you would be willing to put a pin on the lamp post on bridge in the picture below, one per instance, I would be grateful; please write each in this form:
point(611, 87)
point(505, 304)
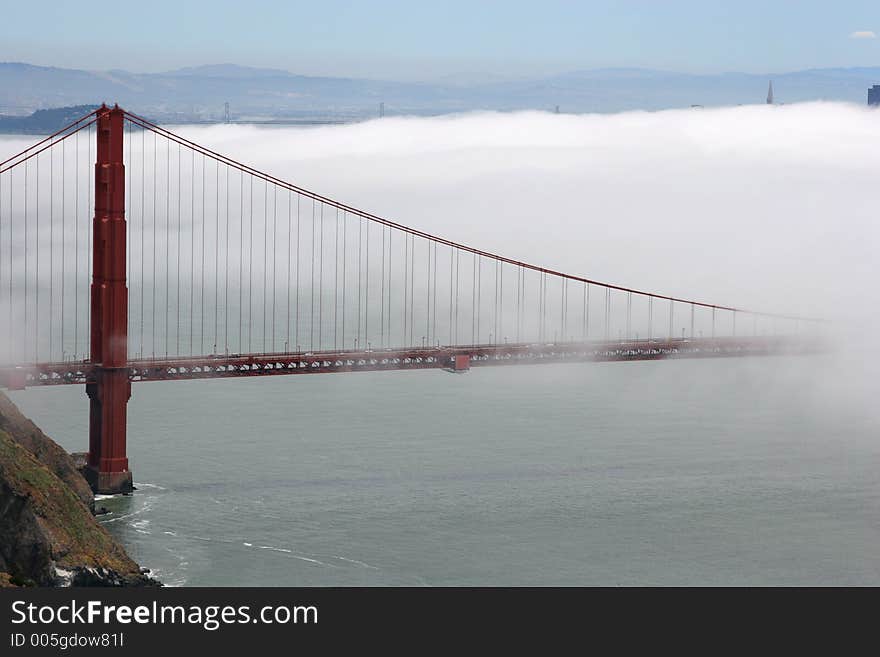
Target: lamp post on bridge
point(108, 386)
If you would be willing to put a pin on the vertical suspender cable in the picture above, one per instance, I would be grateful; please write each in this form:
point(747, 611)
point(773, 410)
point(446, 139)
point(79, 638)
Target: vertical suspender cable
point(451, 272)
point(382, 294)
point(412, 288)
point(153, 309)
point(344, 277)
point(499, 279)
point(495, 316)
point(202, 293)
point(584, 319)
point(479, 293)
point(251, 264)
point(75, 246)
point(51, 250)
point(367, 291)
point(167, 238)
point(240, 260)
point(519, 273)
point(563, 311)
point(312, 284)
point(274, 255)
point(321, 284)
point(11, 268)
point(63, 243)
point(24, 336)
point(37, 272)
point(428, 294)
point(474, 299)
point(435, 280)
point(265, 259)
point(265, 262)
point(216, 256)
point(388, 314)
point(360, 292)
point(628, 315)
point(226, 274)
point(405, 281)
point(296, 323)
point(457, 268)
point(289, 252)
point(143, 230)
point(179, 235)
point(607, 313)
point(192, 247)
point(546, 303)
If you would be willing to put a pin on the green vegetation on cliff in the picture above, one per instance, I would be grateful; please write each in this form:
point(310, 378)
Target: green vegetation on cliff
point(47, 529)
point(48, 535)
point(47, 451)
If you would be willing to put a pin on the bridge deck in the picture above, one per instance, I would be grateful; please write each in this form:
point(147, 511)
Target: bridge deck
point(408, 358)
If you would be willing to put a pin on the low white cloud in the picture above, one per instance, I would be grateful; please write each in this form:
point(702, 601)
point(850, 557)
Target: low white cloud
point(755, 206)
point(863, 34)
point(766, 207)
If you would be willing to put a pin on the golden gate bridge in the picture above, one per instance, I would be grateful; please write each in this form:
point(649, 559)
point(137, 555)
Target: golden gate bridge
point(130, 253)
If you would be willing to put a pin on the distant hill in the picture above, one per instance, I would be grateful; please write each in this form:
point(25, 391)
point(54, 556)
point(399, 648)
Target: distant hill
point(199, 93)
point(229, 71)
point(45, 121)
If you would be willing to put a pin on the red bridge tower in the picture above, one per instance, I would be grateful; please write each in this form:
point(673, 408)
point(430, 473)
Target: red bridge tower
point(109, 388)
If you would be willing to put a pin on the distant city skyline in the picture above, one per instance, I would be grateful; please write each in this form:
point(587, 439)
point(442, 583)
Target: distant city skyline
point(392, 39)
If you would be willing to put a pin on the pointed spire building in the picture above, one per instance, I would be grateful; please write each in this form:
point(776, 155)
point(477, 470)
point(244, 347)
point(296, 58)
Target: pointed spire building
point(770, 93)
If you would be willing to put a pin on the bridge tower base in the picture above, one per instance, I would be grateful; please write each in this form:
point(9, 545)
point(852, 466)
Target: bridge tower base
point(107, 467)
point(109, 388)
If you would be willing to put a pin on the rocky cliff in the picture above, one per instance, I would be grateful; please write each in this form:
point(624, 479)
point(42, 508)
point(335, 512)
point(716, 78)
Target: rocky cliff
point(48, 534)
point(47, 451)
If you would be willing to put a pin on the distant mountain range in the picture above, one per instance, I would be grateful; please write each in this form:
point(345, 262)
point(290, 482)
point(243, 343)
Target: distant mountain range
point(199, 93)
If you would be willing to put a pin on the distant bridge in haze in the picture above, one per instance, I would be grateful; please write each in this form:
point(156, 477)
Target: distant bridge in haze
point(194, 265)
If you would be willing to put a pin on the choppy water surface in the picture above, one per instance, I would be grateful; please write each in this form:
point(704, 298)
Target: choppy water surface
point(748, 471)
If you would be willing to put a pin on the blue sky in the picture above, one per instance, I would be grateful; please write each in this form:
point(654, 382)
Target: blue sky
point(415, 40)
